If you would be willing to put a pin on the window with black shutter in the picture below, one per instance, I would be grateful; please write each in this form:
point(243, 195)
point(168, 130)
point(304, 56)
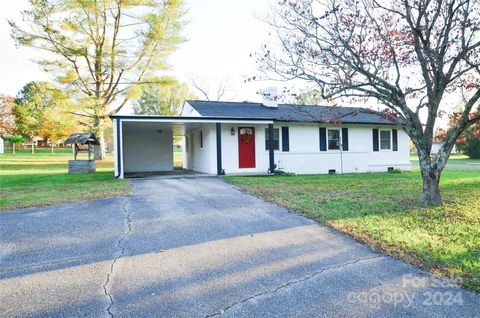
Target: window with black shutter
point(334, 139)
point(385, 140)
point(276, 139)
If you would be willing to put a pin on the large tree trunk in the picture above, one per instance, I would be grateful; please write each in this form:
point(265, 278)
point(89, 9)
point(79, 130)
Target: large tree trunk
point(431, 187)
point(99, 150)
point(13, 147)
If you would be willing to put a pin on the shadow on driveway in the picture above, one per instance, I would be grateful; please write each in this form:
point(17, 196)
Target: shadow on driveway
point(197, 247)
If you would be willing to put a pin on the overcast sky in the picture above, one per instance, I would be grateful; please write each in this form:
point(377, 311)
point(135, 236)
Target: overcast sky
point(221, 35)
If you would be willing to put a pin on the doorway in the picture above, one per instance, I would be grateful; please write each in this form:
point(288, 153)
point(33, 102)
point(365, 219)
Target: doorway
point(246, 147)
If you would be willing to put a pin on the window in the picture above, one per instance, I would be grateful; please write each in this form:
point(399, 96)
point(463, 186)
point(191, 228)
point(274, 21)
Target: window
point(276, 139)
point(201, 139)
point(334, 139)
point(385, 140)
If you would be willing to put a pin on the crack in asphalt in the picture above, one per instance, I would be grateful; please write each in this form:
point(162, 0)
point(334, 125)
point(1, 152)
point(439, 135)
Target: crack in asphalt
point(121, 248)
point(273, 291)
point(209, 201)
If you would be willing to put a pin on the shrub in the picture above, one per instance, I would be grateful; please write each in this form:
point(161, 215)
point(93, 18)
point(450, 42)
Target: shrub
point(469, 143)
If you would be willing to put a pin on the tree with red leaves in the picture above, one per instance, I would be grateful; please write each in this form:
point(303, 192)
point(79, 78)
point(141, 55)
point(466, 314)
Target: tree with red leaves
point(7, 119)
point(469, 140)
point(412, 56)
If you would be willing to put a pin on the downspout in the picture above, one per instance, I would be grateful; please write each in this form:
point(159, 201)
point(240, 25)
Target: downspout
point(341, 155)
point(271, 152)
point(119, 155)
point(218, 131)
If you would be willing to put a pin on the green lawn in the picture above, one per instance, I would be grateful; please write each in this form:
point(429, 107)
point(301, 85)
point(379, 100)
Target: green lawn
point(28, 180)
point(177, 158)
point(454, 158)
point(382, 210)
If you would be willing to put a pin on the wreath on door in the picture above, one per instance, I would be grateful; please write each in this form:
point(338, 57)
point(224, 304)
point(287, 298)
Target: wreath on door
point(246, 135)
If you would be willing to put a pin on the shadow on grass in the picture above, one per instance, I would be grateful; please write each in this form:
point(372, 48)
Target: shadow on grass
point(52, 187)
point(383, 210)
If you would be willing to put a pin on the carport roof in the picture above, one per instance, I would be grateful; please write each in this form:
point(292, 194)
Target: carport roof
point(211, 119)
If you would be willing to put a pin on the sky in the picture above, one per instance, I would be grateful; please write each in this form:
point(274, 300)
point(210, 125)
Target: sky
point(221, 35)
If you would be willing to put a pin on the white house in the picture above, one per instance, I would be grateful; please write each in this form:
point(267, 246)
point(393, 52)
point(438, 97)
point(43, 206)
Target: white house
point(436, 145)
point(257, 138)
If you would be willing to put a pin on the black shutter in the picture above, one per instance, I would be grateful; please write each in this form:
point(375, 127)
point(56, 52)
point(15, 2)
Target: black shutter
point(375, 140)
point(285, 139)
point(395, 140)
point(345, 139)
point(323, 139)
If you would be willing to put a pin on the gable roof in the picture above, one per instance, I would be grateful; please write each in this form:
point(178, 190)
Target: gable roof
point(82, 138)
point(291, 113)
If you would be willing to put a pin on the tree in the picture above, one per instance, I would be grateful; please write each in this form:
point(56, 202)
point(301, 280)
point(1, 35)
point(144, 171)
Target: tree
point(164, 97)
point(309, 97)
point(7, 119)
point(16, 139)
point(411, 56)
point(102, 50)
point(43, 110)
point(58, 122)
point(212, 90)
point(468, 141)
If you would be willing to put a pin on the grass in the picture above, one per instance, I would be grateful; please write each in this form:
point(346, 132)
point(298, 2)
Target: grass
point(382, 210)
point(454, 159)
point(40, 179)
point(177, 158)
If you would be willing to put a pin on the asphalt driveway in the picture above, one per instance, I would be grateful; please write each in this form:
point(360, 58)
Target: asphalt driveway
point(198, 247)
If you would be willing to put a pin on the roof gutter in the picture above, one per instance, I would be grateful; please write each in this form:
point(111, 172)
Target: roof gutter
point(340, 123)
point(185, 119)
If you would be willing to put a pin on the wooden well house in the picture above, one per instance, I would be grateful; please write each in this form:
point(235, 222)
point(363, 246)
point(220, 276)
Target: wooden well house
point(82, 142)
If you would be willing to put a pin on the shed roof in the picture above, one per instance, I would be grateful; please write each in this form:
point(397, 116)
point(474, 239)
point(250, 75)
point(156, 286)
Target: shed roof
point(82, 139)
point(290, 112)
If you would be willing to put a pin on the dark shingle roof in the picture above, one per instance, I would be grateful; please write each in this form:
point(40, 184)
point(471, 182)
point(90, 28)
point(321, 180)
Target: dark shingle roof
point(288, 112)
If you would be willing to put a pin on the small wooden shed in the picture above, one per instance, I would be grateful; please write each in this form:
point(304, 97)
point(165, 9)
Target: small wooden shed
point(82, 142)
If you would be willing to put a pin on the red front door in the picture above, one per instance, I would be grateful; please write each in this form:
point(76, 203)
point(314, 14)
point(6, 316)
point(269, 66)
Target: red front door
point(246, 147)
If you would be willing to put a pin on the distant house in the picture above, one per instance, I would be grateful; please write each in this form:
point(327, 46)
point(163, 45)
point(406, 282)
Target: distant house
point(37, 142)
point(436, 145)
point(242, 138)
point(2, 149)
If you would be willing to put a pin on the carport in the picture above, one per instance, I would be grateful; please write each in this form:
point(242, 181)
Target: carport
point(144, 144)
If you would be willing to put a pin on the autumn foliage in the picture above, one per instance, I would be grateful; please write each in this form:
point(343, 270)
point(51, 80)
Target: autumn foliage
point(419, 58)
point(7, 119)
